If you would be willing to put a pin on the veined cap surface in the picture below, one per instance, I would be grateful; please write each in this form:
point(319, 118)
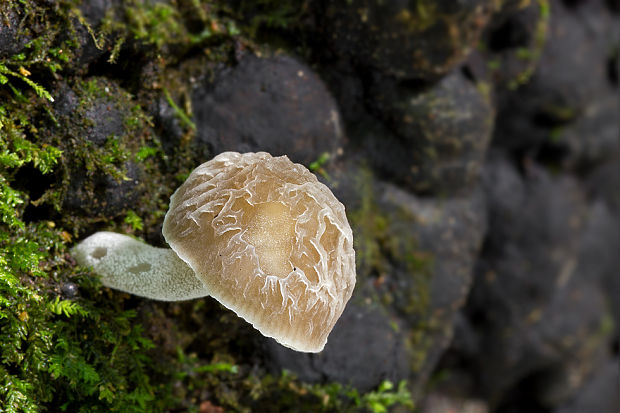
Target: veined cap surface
point(269, 241)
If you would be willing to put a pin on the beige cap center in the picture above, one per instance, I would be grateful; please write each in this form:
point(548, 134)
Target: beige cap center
point(272, 233)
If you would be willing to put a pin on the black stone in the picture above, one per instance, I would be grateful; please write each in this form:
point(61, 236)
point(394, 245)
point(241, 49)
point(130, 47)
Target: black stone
point(91, 115)
point(362, 351)
point(599, 394)
point(423, 40)
point(535, 304)
point(69, 289)
point(13, 35)
point(566, 112)
point(275, 104)
point(435, 140)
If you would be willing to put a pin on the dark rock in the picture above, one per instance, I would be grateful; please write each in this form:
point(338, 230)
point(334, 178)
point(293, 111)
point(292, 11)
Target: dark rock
point(442, 403)
point(363, 350)
point(102, 194)
point(442, 235)
point(274, 104)
point(436, 139)
point(95, 10)
point(547, 353)
point(69, 289)
point(595, 136)
point(13, 34)
point(604, 183)
point(536, 309)
point(600, 393)
point(513, 42)
point(572, 69)
point(602, 241)
point(93, 116)
point(422, 40)
point(571, 83)
point(86, 51)
point(436, 244)
point(171, 127)
point(349, 88)
point(104, 118)
point(410, 242)
point(535, 223)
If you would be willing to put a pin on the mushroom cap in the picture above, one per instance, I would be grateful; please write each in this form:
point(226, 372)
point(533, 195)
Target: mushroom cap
point(269, 241)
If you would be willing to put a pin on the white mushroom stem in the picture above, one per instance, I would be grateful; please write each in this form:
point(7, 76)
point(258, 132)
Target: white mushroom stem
point(137, 268)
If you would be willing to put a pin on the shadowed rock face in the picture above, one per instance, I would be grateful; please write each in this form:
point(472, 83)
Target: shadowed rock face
point(11, 40)
point(435, 139)
point(424, 39)
point(275, 104)
point(600, 393)
point(566, 111)
point(350, 356)
point(96, 120)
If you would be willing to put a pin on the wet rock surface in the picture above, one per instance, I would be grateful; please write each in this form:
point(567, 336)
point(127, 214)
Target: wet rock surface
point(13, 36)
point(565, 110)
point(344, 359)
point(438, 137)
point(94, 116)
point(403, 39)
point(275, 104)
point(599, 394)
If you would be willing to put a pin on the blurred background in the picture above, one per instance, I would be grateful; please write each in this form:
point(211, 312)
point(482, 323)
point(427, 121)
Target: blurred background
point(474, 143)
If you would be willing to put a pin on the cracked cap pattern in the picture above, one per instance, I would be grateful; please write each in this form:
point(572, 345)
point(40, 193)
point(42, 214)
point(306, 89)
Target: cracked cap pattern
point(269, 241)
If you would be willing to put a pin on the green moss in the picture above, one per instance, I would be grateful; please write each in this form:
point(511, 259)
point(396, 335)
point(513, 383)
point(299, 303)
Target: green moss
point(134, 221)
point(318, 165)
point(419, 17)
point(372, 240)
point(532, 54)
point(57, 351)
point(180, 113)
point(288, 394)
point(168, 29)
point(268, 14)
point(385, 243)
point(51, 41)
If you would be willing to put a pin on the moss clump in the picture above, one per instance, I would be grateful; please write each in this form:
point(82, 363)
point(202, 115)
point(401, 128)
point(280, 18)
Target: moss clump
point(386, 246)
point(373, 242)
point(268, 14)
point(79, 353)
point(532, 54)
point(420, 17)
point(290, 395)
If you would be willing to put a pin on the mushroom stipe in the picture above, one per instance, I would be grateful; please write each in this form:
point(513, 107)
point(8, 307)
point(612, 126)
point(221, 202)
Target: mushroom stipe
point(258, 233)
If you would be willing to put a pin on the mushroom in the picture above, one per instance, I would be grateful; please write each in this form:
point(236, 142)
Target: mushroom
point(258, 233)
